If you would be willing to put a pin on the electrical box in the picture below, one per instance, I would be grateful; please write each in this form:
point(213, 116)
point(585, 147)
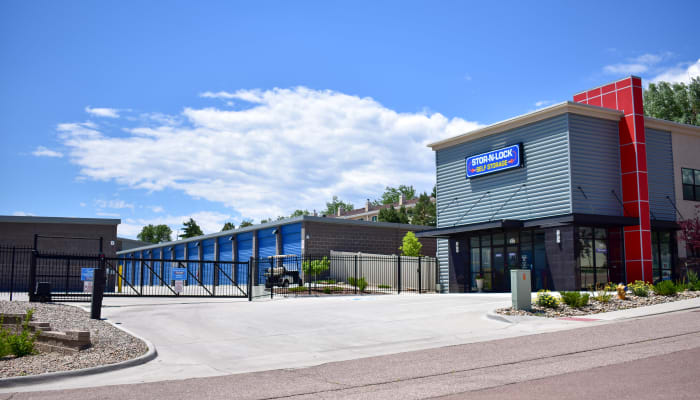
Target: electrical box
point(521, 289)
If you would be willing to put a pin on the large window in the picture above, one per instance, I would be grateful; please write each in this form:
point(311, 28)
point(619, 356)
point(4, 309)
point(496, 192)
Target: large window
point(691, 184)
point(599, 256)
point(661, 252)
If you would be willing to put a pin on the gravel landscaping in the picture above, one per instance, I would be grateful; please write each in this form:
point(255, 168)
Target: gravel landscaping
point(109, 344)
point(595, 307)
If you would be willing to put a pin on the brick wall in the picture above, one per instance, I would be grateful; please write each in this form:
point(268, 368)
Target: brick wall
point(22, 235)
point(324, 237)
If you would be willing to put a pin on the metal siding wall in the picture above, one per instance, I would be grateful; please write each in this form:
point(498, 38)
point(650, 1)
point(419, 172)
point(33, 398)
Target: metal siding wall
point(193, 268)
point(245, 251)
point(595, 165)
point(660, 174)
point(291, 239)
point(146, 254)
point(225, 254)
point(546, 174)
point(208, 255)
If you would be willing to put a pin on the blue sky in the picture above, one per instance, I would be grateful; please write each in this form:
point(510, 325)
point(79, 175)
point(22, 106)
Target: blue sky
point(156, 111)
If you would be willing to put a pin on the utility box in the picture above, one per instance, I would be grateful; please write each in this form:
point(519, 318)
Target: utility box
point(520, 289)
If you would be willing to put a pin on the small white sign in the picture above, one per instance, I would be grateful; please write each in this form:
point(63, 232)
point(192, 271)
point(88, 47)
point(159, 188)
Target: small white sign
point(87, 286)
point(178, 286)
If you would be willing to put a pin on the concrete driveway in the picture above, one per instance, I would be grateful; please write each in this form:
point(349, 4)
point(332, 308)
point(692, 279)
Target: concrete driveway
point(210, 337)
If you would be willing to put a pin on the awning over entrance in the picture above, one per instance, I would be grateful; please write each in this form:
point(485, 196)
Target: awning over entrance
point(560, 220)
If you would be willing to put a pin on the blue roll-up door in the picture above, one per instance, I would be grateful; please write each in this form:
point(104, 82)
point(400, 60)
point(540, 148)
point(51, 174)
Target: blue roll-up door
point(291, 239)
point(179, 255)
point(291, 245)
point(244, 241)
point(146, 265)
point(192, 268)
point(225, 254)
point(208, 255)
point(167, 255)
point(267, 247)
point(157, 266)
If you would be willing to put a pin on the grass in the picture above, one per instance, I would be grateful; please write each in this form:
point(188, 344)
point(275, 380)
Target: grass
point(575, 299)
point(665, 288)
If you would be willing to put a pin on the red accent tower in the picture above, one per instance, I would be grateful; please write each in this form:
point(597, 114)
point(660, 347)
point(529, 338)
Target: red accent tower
point(626, 95)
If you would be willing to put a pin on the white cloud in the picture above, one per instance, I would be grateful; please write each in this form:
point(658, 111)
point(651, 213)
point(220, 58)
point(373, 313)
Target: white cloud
point(42, 151)
point(115, 204)
point(542, 103)
point(210, 222)
point(292, 148)
point(82, 204)
point(22, 214)
point(156, 209)
point(107, 214)
point(102, 112)
point(680, 73)
point(218, 95)
point(636, 65)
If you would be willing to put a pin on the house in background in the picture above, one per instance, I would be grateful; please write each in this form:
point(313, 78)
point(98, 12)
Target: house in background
point(371, 212)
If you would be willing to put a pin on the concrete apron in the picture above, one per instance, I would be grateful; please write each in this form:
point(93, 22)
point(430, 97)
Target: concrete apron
point(210, 337)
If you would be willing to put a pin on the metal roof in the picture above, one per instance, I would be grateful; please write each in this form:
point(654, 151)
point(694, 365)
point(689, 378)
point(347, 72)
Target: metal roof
point(58, 220)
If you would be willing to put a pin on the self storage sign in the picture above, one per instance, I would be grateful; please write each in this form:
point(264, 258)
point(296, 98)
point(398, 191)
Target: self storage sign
point(494, 161)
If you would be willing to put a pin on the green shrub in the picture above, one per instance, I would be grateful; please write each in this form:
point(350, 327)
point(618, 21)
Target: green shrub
point(298, 289)
point(20, 344)
point(693, 281)
point(361, 283)
point(384, 286)
point(665, 288)
point(640, 288)
point(575, 299)
point(315, 267)
point(326, 281)
point(545, 299)
point(330, 289)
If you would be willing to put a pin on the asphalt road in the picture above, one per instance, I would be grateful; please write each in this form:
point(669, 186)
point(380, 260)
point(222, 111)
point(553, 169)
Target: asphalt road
point(652, 357)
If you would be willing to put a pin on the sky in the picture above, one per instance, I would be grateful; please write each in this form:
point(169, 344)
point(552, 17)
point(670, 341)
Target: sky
point(155, 112)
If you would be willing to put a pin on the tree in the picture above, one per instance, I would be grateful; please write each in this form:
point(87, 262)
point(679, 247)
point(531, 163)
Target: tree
point(299, 213)
point(332, 207)
point(424, 211)
point(411, 246)
point(228, 227)
point(676, 102)
point(191, 229)
point(392, 215)
point(155, 233)
point(244, 223)
point(392, 195)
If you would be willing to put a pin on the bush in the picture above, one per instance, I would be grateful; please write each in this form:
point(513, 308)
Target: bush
point(693, 281)
point(20, 344)
point(384, 286)
point(575, 299)
point(315, 267)
point(361, 283)
point(640, 288)
point(326, 281)
point(330, 289)
point(545, 299)
point(665, 288)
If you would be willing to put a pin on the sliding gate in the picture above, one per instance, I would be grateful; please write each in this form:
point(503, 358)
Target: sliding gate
point(147, 277)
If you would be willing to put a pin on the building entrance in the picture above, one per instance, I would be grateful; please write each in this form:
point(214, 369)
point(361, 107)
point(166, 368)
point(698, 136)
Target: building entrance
point(494, 254)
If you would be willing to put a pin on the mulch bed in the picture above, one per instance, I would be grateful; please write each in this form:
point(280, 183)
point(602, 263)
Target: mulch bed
point(596, 307)
point(109, 344)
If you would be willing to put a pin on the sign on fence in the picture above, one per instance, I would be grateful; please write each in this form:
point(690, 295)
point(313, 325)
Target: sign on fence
point(179, 275)
point(87, 275)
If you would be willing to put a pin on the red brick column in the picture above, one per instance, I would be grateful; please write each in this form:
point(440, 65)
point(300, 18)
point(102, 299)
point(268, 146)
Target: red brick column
point(626, 95)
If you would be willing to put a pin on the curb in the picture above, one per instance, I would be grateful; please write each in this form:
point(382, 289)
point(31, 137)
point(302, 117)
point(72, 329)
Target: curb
point(53, 376)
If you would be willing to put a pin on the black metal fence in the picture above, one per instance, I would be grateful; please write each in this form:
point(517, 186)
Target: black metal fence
point(14, 270)
point(338, 274)
point(346, 274)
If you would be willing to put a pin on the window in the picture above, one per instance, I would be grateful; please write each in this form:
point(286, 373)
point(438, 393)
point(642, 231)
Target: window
point(374, 218)
point(691, 184)
point(592, 247)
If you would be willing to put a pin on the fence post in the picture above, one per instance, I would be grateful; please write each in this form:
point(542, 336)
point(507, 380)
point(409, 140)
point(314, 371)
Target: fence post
point(272, 280)
point(398, 263)
point(250, 279)
point(420, 280)
point(355, 273)
point(309, 268)
point(12, 273)
point(32, 272)
point(141, 274)
point(98, 289)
